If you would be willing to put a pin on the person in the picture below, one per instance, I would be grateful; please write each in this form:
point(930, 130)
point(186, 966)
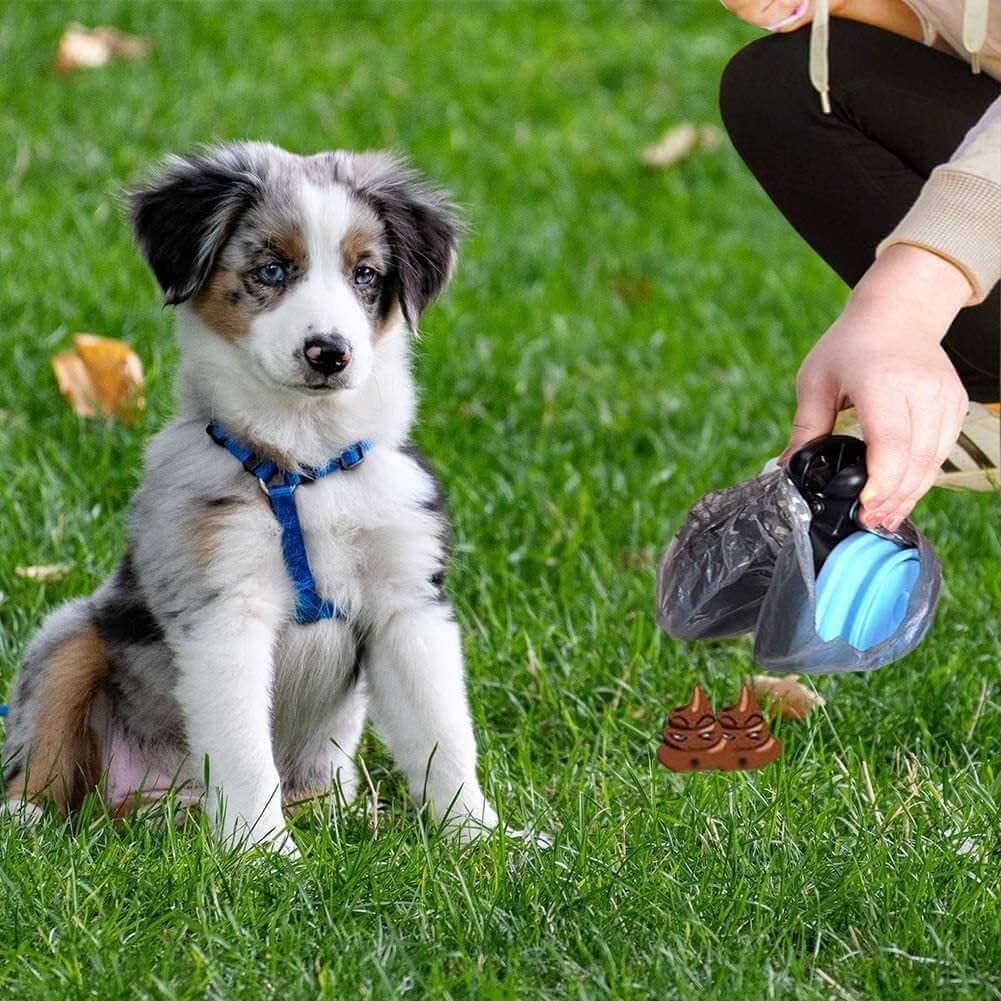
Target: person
point(875, 128)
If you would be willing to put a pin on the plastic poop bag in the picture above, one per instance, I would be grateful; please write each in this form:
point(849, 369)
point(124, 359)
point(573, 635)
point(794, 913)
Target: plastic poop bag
point(782, 556)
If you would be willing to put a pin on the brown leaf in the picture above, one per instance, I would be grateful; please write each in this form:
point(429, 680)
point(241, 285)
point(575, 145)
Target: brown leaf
point(634, 289)
point(90, 48)
point(472, 410)
point(50, 573)
point(679, 142)
point(710, 137)
point(637, 559)
point(674, 145)
point(785, 696)
point(101, 378)
point(74, 383)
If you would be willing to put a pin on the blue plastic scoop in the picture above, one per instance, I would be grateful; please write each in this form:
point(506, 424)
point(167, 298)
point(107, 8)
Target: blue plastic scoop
point(863, 589)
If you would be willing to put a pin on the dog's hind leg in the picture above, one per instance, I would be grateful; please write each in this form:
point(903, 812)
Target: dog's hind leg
point(325, 769)
point(50, 752)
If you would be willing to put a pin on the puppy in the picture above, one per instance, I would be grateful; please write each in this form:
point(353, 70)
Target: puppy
point(275, 590)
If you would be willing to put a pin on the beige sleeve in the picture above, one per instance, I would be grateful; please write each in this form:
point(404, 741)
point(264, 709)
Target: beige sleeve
point(958, 213)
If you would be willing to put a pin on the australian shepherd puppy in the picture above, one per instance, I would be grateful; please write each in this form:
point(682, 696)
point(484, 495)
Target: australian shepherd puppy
point(297, 283)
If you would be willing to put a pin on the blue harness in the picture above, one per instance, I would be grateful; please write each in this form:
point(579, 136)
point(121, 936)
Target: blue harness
point(309, 606)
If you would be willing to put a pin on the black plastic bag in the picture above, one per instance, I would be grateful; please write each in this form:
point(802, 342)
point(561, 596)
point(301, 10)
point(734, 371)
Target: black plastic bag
point(744, 561)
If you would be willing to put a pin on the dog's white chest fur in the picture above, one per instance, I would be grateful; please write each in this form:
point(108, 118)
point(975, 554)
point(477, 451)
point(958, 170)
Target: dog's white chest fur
point(374, 548)
point(373, 544)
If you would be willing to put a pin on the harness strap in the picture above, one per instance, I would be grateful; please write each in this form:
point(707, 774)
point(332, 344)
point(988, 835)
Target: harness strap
point(309, 606)
point(263, 469)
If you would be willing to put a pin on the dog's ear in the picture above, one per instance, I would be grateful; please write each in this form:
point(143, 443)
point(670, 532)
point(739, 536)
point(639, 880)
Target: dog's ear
point(183, 218)
point(422, 227)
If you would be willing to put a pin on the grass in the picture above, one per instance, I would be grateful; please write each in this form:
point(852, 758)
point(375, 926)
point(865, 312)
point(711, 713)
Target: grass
point(617, 342)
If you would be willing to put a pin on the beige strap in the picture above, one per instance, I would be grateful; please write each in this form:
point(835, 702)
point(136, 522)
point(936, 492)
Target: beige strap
point(975, 17)
point(819, 62)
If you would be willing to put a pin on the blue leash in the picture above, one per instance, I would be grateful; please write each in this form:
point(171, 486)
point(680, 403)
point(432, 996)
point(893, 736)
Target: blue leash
point(309, 606)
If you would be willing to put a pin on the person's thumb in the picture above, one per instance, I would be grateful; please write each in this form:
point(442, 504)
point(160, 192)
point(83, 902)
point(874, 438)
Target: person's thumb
point(816, 412)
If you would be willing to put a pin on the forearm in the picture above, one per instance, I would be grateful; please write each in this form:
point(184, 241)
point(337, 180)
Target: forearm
point(912, 288)
point(958, 213)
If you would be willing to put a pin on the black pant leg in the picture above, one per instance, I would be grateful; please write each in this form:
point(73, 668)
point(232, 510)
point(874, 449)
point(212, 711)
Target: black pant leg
point(845, 180)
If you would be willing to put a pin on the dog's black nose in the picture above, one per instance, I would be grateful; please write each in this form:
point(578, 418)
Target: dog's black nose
point(328, 354)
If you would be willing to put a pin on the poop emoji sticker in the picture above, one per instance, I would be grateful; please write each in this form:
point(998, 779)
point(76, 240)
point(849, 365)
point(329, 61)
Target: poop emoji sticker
point(693, 738)
point(738, 739)
point(750, 743)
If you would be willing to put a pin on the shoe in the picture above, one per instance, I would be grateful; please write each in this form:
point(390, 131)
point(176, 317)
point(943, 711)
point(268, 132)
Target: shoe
point(749, 741)
point(692, 740)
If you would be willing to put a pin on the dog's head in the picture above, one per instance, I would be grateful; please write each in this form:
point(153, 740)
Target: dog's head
point(301, 264)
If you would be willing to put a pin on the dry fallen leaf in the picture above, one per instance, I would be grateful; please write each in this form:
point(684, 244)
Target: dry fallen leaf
point(673, 146)
point(637, 559)
point(472, 410)
point(634, 289)
point(74, 383)
point(101, 378)
point(679, 142)
point(89, 48)
point(710, 137)
point(50, 573)
point(785, 695)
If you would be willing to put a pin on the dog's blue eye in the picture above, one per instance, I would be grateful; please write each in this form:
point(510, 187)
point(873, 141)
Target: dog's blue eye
point(271, 274)
point(364, 276)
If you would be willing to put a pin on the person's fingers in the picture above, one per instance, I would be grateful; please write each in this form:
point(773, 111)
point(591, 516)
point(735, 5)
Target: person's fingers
point(949, 428)
point(946, 440)
point(886, 428)
point(926, 425)
point(760, 13)
point(801, 14)
point(816, 411)
point(923, 487)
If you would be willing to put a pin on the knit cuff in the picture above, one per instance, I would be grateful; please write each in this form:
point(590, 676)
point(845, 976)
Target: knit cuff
point(957, 216)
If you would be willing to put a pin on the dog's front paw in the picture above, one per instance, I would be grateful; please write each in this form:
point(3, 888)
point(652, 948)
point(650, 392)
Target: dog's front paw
point(541, 839)
point(469, 827)
point(281, 843)
point(469, 822)
point(277, 841)
point(265, 833)
point(22, 812)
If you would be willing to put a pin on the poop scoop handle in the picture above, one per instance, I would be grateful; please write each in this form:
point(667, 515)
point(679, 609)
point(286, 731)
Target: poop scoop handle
point(829, 472)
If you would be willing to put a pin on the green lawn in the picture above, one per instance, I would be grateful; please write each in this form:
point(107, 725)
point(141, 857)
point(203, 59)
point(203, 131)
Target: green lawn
point(617, 342)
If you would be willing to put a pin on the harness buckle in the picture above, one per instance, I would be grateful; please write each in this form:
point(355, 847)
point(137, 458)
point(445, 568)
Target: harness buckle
point(351, 457)
point(263, 484)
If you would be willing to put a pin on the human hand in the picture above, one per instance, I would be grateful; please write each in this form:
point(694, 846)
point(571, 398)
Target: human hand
point(773, 15)
point(789, 15)
point(883, 356)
